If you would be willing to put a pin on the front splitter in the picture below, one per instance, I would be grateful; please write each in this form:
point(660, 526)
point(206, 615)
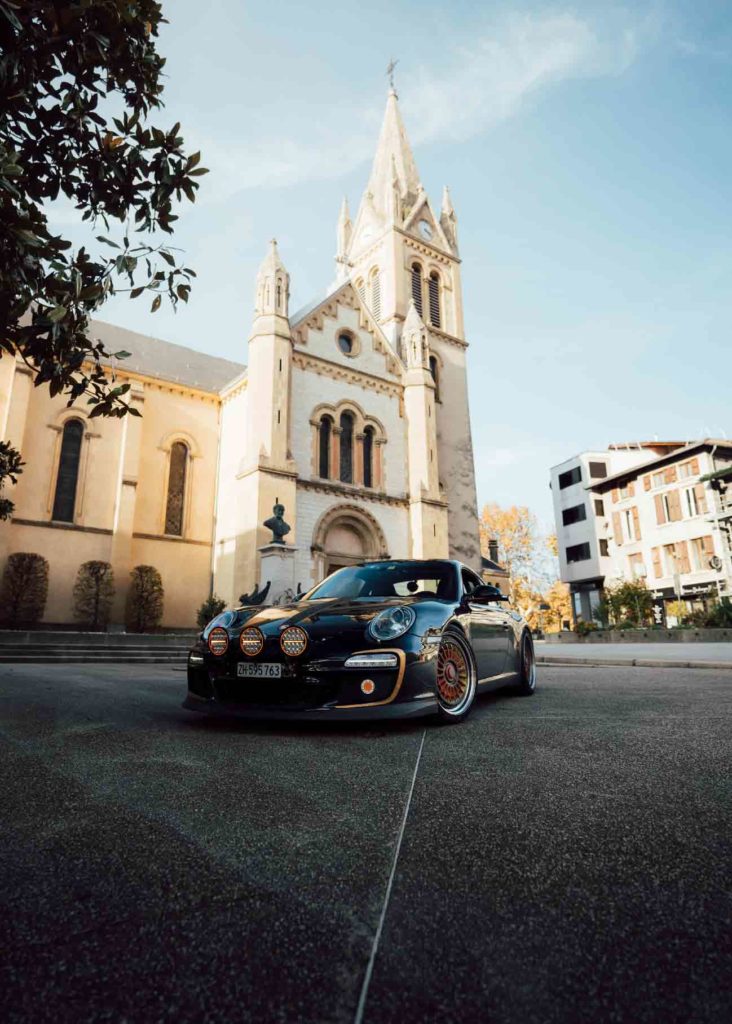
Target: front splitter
point(218, 709)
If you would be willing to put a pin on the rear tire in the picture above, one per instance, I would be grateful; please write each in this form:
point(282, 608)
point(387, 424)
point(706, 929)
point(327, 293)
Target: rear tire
point(526, 685)
point(457, 678)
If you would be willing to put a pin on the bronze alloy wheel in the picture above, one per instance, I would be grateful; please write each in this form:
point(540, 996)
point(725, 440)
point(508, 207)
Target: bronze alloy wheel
point(456, 680)
point(527, 675)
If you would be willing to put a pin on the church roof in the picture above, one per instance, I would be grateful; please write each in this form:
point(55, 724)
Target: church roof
point(178, 364)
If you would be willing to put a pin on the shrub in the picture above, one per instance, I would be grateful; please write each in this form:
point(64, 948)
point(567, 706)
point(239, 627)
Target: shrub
point(93, 594)
point(144, 599)
point(210, 608)
point(25, 589)
point(630, 604)
point(721, 614)
point(583, 628)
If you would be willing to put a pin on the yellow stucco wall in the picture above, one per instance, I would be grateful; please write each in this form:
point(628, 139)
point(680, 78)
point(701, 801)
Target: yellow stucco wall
point(121, 491)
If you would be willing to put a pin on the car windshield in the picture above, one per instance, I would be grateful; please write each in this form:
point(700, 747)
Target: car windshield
point(437, 580)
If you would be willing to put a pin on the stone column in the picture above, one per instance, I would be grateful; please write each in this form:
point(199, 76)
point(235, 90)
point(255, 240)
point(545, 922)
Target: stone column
point(124, 513)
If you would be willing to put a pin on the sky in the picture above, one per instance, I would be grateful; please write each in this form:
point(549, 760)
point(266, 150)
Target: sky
point(588, 152)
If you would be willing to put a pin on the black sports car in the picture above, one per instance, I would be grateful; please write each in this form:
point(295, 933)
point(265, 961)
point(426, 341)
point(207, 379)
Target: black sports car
point(383, 639)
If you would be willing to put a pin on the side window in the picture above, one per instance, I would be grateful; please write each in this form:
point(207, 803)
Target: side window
point(470, 581)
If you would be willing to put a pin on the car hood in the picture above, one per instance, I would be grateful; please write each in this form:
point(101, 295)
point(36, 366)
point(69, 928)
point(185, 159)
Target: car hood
point(342, 614)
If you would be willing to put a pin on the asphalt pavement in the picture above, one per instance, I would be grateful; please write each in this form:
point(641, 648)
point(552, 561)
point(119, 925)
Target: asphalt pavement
point(554, 859)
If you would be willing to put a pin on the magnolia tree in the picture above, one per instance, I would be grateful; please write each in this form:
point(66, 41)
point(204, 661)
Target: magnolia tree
point(80, 79)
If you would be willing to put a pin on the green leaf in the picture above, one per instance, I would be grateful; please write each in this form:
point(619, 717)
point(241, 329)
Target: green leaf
point(107, 241)
point(122, 355)
point(155, 304)
point(57, 313)
point(167, 257)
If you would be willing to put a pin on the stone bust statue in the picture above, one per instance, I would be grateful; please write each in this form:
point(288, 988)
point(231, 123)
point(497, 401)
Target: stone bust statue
point(276, 523)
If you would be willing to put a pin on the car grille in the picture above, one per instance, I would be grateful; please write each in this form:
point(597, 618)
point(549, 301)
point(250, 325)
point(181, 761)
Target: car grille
point(286, 692)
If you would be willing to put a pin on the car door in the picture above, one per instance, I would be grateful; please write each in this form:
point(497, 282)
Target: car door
point(489, 629)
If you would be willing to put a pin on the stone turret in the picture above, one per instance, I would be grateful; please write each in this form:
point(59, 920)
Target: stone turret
point(343, 241)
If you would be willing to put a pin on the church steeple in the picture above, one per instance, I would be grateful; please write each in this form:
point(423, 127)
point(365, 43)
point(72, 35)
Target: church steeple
point(343, 241)
point(393, 161)
point(273, 285)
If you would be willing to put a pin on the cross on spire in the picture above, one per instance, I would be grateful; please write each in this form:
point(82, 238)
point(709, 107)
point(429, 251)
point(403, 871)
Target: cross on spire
point(390, 73)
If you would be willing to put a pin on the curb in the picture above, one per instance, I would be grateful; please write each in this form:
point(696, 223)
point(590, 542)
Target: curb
point(549, 659)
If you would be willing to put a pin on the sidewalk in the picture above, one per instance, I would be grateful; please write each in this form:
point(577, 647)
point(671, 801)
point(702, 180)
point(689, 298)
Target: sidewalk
point(647, 655)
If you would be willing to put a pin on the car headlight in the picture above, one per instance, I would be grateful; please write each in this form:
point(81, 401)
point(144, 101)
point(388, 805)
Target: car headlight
point(391, 623)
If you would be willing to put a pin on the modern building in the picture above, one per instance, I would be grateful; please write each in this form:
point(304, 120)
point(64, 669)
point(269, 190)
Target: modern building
point(658, 511)
point(352, 413)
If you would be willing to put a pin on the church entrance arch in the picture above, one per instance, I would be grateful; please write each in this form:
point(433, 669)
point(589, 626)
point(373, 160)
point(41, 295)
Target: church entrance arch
point(346, 535)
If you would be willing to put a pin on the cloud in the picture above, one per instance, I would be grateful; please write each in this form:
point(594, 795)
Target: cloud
point(483, 83)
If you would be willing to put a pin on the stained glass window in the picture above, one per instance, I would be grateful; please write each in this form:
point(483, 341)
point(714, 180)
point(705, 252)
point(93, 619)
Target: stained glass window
point(68, 472)
point(324, 434)
point(368, 457)
point(346, 467)
point(176, 489)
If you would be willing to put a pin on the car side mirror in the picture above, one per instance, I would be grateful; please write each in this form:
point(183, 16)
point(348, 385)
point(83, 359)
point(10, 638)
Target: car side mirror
point(486, 594)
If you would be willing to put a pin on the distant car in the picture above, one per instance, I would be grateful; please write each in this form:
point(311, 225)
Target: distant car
point(384, 639)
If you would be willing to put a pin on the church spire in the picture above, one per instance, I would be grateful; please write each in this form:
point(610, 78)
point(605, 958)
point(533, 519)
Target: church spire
point(273, 285)
point(393, 159)
point(448, 220)
point(343, 241)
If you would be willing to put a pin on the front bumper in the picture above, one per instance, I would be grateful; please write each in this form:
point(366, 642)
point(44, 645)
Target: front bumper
point(316, 687)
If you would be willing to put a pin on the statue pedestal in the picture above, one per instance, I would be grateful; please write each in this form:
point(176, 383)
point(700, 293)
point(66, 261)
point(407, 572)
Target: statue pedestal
point(278, 567)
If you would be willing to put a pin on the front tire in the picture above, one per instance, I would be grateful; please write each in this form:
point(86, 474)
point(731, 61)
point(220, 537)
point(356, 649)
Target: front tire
point(457, 678)
point(527, 672)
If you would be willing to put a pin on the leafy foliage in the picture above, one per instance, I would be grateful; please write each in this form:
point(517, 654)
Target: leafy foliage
point(144, 599)
point(93, 594)
point(629, 604)
point(11, 465)
point(24, 589)
point(531, 562)
point(210, 608)
point(78, 80)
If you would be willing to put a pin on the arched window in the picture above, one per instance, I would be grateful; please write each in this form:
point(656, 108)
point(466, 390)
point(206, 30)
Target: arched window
point(368, 457)
point(346, 467)
point(324, 437)
point(434, 287)
point(64, 500)
point(417, 287)
point(361, 289)
point(376, 295)
point(176, 489)
point(435, 371)
point(279, 296)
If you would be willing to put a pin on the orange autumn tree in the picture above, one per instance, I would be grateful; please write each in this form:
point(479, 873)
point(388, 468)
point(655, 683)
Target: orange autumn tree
point(530, 559)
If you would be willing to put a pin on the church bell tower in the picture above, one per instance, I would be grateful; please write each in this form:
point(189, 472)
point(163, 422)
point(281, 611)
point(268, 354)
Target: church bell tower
point(402, 255)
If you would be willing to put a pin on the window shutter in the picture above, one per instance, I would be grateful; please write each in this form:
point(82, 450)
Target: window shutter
point(674, 501)
point(708, 545)
point(434, 292)
point(631, 490)
point(646, 483)
point(376, 296)
point(701, 499)
point(417, 286)
point(682, 551)
point(694, 467)
point(617, 529)
point(660, 514)
point(670, 474)
point(656, 556)
point(615, 495)
point(636, 523)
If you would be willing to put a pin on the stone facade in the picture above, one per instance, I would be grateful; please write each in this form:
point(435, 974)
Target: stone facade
point(352, 413)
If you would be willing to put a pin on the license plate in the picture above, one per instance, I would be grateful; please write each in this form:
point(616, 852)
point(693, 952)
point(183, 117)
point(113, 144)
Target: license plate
point(259, 670)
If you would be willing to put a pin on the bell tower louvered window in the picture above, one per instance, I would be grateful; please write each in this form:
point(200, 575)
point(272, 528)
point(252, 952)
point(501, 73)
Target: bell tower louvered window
point(434, 289)
point(417, 287)
point(64, 500)
point(376, 295)
point(176, 489)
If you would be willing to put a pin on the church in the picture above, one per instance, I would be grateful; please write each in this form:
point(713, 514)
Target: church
point(352, 413)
